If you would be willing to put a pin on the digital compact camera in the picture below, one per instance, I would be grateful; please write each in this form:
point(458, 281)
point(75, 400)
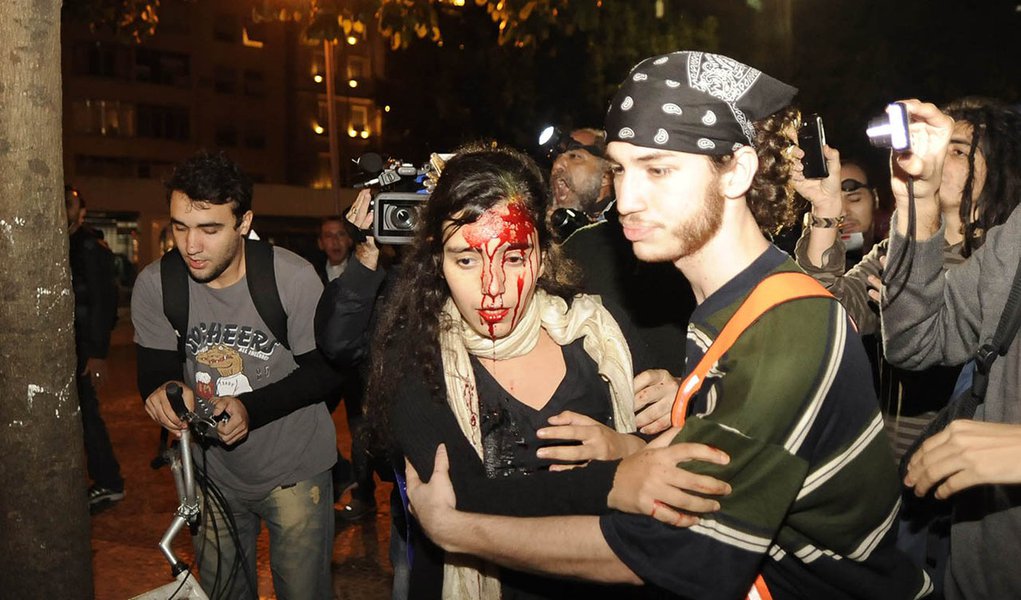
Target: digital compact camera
point(890, 130)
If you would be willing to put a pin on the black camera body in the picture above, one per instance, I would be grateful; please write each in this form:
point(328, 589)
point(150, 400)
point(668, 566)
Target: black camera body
point(811, 139)
point(396, 215)
point(890, 130)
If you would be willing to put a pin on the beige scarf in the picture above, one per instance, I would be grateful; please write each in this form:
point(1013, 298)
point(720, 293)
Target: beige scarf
point(467, 577)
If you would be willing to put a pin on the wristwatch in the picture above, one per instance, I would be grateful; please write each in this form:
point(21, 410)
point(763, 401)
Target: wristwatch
point(823, 222)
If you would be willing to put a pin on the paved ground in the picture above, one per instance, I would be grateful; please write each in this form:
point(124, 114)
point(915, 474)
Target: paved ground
point(126, 560)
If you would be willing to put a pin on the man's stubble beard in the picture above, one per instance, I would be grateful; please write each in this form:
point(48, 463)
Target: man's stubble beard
point(693, 234)
point(219, 267)
point(588, 195)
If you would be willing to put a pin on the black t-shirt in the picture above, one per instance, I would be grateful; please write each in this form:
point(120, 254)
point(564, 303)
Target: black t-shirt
point(509, 426)
point(528, 488)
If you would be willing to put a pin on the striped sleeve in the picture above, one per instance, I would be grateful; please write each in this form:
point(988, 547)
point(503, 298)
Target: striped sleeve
point(792, 405)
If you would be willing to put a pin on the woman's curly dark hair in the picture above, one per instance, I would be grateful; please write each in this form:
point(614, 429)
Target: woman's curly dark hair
point(475, 180)
point(771, 195)
point(996, 131)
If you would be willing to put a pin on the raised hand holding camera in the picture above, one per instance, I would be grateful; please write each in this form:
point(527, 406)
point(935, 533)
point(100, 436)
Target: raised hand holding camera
point(395, 213)
point(360, 215)
point(921, 164)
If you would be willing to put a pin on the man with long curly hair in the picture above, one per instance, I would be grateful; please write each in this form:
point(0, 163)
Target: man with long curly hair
point(701, 167)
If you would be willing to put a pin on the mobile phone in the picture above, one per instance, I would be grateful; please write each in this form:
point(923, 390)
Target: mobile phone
point(811, 139)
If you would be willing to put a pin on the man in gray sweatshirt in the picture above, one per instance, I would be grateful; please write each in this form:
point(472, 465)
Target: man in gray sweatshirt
point(935, 319)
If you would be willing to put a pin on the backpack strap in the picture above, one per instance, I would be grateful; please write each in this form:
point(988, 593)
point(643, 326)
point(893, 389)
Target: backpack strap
point(174, 281)
point(262, 285)
point(771, 291)
point(1006, 331)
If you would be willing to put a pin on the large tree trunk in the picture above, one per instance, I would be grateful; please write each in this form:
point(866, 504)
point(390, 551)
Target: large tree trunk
point(44, 522)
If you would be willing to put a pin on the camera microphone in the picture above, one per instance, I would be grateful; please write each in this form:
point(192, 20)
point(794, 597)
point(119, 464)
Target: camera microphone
point(385, 178)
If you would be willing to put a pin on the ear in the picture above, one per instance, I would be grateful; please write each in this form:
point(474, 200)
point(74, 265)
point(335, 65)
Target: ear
point(543, 257)
point(736, 178)
point(246, 223)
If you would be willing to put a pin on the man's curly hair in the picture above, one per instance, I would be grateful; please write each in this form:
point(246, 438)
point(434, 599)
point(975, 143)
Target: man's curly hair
point(771, 195)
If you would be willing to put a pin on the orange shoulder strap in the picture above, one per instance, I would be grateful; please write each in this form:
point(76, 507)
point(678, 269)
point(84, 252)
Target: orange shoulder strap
point(759, 590)
point(771, 291)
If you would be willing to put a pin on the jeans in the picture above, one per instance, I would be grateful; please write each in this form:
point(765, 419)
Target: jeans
point(300, 522)
point(104, 471)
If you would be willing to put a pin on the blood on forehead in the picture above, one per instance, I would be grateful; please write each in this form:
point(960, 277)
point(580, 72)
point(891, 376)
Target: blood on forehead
point(510, 224)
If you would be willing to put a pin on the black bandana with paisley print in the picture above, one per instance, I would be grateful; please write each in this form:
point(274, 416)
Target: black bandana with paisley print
point(693, 102)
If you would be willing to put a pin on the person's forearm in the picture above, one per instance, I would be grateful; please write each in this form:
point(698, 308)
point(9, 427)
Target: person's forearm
point(913, 321)
point(562, 546)
point(852, 290)
point(344, 312)
point(156, 367)
point(820, 238)
point(310, 383)
point(927, 218)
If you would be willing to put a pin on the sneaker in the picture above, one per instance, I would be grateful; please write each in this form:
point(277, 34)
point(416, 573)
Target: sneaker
point(357, 510)
point(101, 495)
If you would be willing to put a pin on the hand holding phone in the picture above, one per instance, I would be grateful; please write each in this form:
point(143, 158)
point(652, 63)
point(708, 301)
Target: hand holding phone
point(811, 139)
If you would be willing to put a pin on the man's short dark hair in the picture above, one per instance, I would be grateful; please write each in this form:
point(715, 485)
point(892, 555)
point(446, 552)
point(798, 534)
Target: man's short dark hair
point(214, 178)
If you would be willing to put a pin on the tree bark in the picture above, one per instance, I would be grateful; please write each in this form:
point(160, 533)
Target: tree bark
point(44, 522)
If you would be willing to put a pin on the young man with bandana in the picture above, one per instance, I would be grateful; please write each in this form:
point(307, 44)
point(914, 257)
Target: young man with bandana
point(697, 141)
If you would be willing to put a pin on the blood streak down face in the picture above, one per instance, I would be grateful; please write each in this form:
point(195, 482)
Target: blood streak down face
point(491, 267)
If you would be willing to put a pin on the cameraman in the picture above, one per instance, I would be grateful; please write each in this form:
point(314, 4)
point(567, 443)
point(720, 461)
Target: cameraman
point(343, 326)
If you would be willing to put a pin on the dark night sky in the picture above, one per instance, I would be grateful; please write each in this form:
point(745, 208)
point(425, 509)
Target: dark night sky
point(849, 58)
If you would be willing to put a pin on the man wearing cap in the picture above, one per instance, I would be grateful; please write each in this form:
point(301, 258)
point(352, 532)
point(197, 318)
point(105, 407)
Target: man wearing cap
point(697, 141)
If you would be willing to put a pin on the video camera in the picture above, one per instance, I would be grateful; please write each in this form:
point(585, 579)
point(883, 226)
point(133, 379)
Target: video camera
point(404, 189)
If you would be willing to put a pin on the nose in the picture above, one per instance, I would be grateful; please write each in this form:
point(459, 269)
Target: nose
point(559, 166)
point(628, 192)
point(493, 280)
point(192, 242)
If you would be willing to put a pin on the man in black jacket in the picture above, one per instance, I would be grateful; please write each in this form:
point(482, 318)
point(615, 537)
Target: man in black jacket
point(95, 310)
